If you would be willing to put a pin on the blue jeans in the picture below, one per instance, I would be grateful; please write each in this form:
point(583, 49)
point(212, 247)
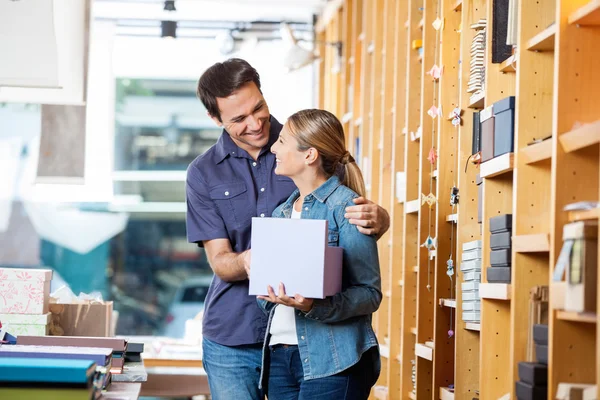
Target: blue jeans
point(233, 371)
point(286, 378)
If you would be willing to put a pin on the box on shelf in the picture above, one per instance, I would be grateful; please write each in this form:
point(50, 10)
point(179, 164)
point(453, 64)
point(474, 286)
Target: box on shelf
point(582, 284)
point(313, 270)
point(526, 391)
point(500, 258)
point(26, 324)
point(541, 353)
point(540, 334)
point(24, 290)
point(504, 126)
point(580, 230)
point(501, 223)
point(486, 116)
point(471, 255)
point(471, 296)
point(500, 240)
point(498, 274)
point(82, 319)
point(471, 305)
point(472, 276)
point(469, 286)
point(476, 142)
point(533, 373)
point(471, 265)
point(473, 245)
point(471, 316)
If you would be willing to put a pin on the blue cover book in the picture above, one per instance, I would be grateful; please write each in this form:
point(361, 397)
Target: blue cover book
point(46, 370)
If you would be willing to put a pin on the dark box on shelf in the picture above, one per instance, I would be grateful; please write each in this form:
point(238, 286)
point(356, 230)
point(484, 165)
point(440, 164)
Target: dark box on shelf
point(533, 373)
point(525, 391)
point(498, 274)
point(500, 258)
point(500, 50)
point(541, 353)
point(540, 334)
point(500, 240)
point(504, 126)
point(486, 117)
point(501, 223)
point(479, 182)
point(476, 146)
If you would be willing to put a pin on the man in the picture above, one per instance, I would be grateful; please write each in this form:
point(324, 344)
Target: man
point(226, 186)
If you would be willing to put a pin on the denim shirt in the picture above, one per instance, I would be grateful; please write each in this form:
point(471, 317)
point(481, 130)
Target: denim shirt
point(334, 334)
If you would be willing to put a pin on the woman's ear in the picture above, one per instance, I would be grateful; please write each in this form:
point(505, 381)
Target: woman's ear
point(311, 156)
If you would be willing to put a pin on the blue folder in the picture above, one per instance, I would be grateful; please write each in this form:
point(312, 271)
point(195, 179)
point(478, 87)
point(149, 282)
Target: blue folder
point(46, 370)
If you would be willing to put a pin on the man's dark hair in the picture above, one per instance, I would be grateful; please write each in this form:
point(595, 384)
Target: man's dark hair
point(222, 79)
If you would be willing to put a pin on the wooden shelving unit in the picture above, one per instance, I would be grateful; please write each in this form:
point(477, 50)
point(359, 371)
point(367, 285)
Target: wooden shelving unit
point(543, 41)
point(383, 93)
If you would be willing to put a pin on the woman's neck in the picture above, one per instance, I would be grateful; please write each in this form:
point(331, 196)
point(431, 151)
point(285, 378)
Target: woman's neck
point(308, 183)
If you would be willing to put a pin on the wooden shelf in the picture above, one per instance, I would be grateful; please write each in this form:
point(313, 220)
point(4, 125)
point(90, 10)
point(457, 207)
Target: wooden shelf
point(477, 101)
point(452, 218)
point(458, 5)
point(543, 41)
point(473, 326)
point(494, 291)
point(537, 152)
point(536, 243)
point(446, 394)
point(510, 64)
point(424, 351)
point(588, 14)
point(497, 166)
point(413, 330)
point(412, 206)
point(448, 303)
point(584, 215)
point(584, 136)
point(588, 318)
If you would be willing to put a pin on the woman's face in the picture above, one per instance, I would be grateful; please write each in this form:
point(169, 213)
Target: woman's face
point(289, 160)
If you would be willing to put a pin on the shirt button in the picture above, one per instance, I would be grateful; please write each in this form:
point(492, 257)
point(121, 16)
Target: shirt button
point(226, 193)
point(262, 215)
point(254, 164)
point(306, 208)
point(262, 189)
point(302, 337)
point(306, 360)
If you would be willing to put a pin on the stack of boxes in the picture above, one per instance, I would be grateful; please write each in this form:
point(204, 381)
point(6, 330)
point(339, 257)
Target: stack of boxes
point(24, 301)
point(500, 244)
point(533, 376)
point(471, 270)
point(497, 129)
point(477, 62)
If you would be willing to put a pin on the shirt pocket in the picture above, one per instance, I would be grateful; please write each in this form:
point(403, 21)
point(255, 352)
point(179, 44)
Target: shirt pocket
point(233, 203)
point(333, 238)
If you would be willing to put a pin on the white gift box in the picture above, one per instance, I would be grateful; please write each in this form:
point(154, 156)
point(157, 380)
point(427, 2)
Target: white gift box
point(26, 324)
point(296, 253)
point(24, 291)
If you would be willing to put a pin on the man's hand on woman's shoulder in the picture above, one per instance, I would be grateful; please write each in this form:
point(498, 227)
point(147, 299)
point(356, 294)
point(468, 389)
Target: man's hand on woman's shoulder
point(369, 218)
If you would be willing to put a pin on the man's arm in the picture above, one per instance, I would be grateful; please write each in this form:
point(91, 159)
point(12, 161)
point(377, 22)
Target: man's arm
point(369, 218)
point(225, 263)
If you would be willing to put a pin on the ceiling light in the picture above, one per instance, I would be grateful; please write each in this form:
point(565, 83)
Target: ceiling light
point(169, 5)
point(168, 29)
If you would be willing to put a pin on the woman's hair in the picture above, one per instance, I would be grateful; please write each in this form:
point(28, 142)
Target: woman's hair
point(322, 130)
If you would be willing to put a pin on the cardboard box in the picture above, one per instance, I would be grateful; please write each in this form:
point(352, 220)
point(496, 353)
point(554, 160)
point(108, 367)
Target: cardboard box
point(500, 240)
point(487, 134)
point(24, 291)
point(541, 354)
point(295, 252)
point(504, 126)
point(471, 305)
point(526, 391)
point(501, 223)
point(81, 319)
point(471, 265)
point(26, 324)
point(533, 373)
point(469, 286)
point(581, 230)
point(498, 274)
point(473, 245)
point(471, 296)
point(472, 276)
point(500, 258)
point(471, 255)
point(471, 316)
point(540, 334)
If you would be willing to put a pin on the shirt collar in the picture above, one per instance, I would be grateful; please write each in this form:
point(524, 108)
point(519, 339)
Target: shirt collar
point(321, 194)
point(226, 146)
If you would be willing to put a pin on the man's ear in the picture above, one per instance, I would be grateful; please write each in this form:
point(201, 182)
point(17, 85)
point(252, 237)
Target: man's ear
point(215, 119)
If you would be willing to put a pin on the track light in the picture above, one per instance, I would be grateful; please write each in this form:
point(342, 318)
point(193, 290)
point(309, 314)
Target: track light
point(168, 29)
point(169, 5)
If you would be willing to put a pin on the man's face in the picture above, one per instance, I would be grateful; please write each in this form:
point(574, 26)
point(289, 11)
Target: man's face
point(245, 116)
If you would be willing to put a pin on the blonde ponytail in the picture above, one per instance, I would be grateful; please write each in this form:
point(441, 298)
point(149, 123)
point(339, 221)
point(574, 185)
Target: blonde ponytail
point(322, 130)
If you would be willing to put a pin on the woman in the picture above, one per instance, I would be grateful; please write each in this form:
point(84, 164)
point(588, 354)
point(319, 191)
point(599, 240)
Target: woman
point(323, 348)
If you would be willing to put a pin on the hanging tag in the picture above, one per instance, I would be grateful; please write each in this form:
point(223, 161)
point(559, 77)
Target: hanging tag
point(432, 157)
point(437, 23)
point(435, 72)
point(433, 112)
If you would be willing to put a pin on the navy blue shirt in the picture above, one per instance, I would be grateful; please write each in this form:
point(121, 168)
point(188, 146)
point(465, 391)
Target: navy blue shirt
point(225, 188)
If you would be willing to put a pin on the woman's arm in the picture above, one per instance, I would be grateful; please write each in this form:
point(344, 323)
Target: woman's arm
point(361, 275)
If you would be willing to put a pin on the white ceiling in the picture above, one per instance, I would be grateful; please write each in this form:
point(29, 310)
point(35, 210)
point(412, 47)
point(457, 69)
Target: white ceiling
point(211, 10)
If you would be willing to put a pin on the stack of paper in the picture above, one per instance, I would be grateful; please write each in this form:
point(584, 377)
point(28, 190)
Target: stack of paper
point(476, 83)
point(471, 271)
